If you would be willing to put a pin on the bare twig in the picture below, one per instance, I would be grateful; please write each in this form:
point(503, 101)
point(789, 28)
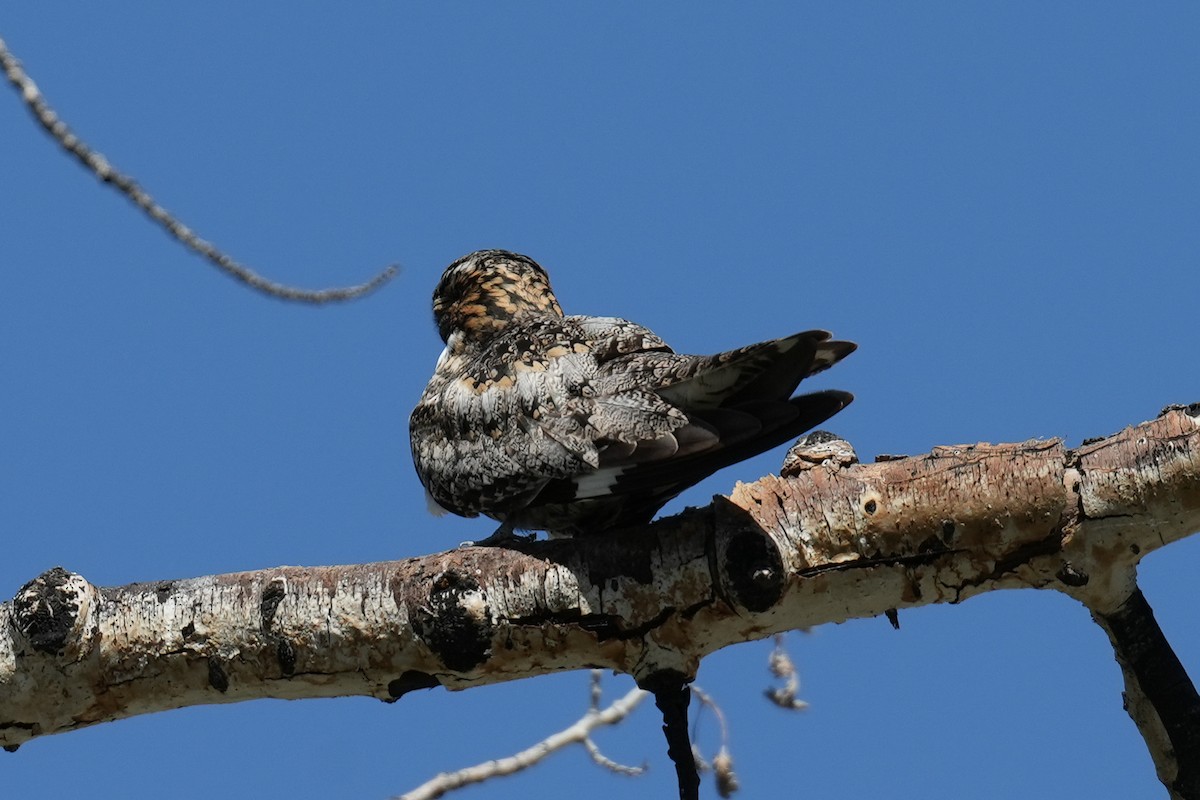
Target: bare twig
point(593, 749)
point(99, 166)
point(706, 701)
point(606, 762)
point(579, 732)
point(722, 763)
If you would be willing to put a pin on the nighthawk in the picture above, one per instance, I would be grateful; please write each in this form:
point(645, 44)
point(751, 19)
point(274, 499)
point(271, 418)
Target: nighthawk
point(578, 425)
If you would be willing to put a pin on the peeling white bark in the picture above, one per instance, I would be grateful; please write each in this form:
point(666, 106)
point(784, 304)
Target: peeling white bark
point(831, 543)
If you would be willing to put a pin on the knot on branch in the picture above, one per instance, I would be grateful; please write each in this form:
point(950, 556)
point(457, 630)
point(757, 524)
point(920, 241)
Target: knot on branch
point(749, 565)
point(51, 613)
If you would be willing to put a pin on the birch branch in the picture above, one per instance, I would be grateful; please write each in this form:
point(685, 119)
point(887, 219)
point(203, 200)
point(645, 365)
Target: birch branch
point(831, 543)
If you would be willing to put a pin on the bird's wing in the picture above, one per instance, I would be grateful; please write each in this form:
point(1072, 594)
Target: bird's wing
point(737, 404)
point(610, 337)
point(767, 370)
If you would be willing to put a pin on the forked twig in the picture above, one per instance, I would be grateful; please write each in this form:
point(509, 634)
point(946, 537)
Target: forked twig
point(580, 732)
point(592, 748)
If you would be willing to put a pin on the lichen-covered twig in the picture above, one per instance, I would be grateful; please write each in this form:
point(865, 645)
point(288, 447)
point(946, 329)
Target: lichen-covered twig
point(781, 666)
point(100, 166)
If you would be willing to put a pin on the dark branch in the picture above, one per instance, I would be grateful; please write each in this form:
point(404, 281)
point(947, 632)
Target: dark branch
point(1153, 671)
point(672, 695)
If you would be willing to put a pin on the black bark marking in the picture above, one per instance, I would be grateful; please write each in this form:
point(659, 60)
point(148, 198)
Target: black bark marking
point(625, 557)
point(1140, 644)
point(460, 636)
point(1025, 553)
point(410, 681)
point(1071, 576)
point(272, 595)
point(285, 653)
point(1192, 409)
point(932, 544)
point(46, 609)
point(755, 570)
point(217, 678)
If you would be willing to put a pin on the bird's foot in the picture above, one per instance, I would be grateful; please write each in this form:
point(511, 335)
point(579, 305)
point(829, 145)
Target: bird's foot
point(503, 537)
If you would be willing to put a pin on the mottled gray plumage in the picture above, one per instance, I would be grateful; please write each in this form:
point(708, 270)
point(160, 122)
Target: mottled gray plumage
point(817, 448)
point(576, 425)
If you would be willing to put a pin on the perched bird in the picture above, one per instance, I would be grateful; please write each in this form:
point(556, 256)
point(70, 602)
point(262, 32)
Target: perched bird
point(578, 425)
point(815, 449)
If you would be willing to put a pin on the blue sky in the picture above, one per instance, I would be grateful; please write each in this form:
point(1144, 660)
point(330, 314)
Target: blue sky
point(997, 202)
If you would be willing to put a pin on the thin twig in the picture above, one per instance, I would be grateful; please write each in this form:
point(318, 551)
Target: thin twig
point(596, 689)
point(578, 732)
point(99, 166)
point(706, 701)
point(613, 766)
point(722, 763)
point(592, 748)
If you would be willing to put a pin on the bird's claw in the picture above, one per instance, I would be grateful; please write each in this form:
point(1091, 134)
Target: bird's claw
point(503, 537)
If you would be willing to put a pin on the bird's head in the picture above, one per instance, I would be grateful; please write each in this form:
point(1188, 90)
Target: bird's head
point(482, 292)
